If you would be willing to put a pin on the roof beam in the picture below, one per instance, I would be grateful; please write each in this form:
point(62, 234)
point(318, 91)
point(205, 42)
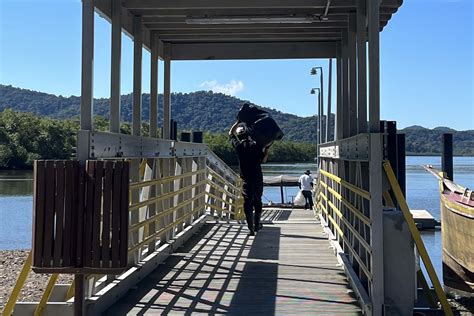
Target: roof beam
point(237, 4)
point(228, 32)
point(285, 50)
point(183, 12)
point(214, 27)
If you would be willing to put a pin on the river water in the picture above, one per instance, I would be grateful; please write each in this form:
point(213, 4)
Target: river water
point(16, 189)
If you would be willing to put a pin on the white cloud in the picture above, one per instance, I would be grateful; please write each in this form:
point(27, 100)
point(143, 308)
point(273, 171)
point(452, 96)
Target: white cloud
point(231, 88)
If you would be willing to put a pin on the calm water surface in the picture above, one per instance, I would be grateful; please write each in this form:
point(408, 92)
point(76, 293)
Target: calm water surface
point(16, 189)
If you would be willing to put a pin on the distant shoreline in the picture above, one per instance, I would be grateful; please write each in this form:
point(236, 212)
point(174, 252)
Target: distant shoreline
point(279, 162)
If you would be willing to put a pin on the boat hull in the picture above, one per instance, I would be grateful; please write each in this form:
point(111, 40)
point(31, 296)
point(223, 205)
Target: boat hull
point(457, 225)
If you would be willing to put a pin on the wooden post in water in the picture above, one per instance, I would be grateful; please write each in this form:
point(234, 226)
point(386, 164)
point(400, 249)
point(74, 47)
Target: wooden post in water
point(447, 156)
point(281, 194)
point(401, 163)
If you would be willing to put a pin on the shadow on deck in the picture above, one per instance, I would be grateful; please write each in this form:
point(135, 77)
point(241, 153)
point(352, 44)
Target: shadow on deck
point(287, 268)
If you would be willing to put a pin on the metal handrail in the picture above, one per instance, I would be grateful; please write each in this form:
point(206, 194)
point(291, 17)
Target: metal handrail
point(212, 173)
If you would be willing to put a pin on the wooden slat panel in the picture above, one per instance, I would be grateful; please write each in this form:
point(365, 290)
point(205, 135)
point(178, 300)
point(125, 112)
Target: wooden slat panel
point(38, 212)
point(49, 214)
point(69, 192)
point(124, 214)
point(116, 214)
point(90, 165)
point(79, 227)
point(59, 211)
point(96, 216)
point(106, 227)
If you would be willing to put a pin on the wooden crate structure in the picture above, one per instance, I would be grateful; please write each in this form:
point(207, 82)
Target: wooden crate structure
point(80, 216)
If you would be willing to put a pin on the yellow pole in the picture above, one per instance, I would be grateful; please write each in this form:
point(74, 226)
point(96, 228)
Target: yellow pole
point(417, 237)
point(8, 310)
point(47, 292)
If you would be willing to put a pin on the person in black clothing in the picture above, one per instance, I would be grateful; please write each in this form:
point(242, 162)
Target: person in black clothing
point(250, 157)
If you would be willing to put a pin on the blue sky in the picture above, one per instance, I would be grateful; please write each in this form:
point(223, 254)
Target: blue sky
point(427, 66)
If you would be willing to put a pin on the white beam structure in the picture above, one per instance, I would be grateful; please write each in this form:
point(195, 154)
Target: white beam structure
point(328, 118)
point(339, 98)
point(154, 85)
point(375, 164)
point(137, 76)
point(361, 67)
point(352, 75)
point(167, 98)
point(191, 51)
point(217, 4)
point(87, 71)
point(374, 66)
point(116, 52)
point(345, 85)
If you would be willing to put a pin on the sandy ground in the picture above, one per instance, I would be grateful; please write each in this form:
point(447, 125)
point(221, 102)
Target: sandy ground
point(11, 262)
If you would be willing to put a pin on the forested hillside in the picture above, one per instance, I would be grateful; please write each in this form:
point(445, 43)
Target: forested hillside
point(215, 113)
point(201, 110)
point(420, 140)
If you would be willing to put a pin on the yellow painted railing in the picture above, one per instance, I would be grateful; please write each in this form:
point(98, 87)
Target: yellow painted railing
point(345, 210)
point(166, 195)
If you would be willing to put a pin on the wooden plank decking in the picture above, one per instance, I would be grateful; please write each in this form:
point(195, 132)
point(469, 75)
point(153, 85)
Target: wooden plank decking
point(287, 268)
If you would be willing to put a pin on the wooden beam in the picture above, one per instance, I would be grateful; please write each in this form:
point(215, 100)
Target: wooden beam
point(283, 50)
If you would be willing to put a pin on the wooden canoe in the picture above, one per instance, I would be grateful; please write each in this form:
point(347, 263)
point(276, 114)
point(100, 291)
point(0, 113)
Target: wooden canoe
point(457, 229)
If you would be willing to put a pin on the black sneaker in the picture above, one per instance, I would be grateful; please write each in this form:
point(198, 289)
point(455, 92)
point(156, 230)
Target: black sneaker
point(260, 226)
point(251, 233)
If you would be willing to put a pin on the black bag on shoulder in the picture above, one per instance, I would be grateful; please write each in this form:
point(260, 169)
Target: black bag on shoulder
point(263, 128)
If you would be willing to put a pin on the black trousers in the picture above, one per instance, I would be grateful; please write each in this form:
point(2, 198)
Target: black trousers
point(308, 196)
point(252, 192)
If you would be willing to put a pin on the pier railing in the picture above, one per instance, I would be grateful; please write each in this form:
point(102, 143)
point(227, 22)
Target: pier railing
point(173, 188)
point(350, 212)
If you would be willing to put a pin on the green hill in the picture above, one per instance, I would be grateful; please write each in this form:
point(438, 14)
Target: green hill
point(425, 141)
point(201, 110)
point(215, 112)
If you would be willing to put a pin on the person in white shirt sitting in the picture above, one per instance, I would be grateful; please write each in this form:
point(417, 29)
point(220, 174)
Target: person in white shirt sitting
point(305, 183)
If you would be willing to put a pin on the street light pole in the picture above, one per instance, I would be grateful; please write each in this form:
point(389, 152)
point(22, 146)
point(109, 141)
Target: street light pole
point(319, 128)
point(314, 71)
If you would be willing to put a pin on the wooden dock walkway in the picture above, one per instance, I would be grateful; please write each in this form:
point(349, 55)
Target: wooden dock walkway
point(287, 268)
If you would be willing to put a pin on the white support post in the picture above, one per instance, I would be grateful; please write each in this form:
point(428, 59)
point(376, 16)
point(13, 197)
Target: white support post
point(87, 73)
point(137, 75)
point(321, 107)
point(375, 164)
point(167, 99)
point(114, 126)
point(345, 85)
point(352, 75)
point(374, 65)
point(339, 100)
point(328, 117)
point(154, 85)
point(86, 122)
point(361, 67)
